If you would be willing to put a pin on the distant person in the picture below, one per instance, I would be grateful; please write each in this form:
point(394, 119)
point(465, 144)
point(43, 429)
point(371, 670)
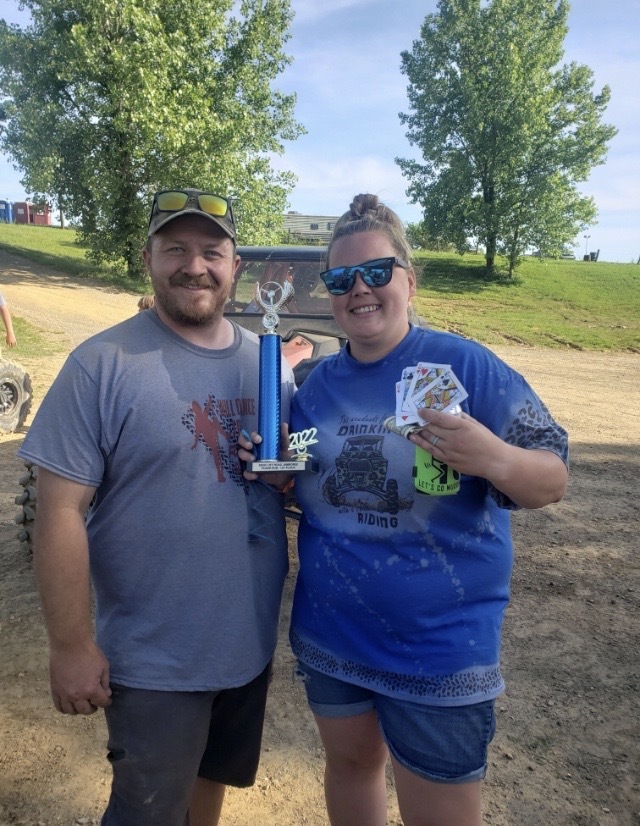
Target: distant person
point(400, 597)
point(146, 302)
point(187, 559)
point(10, 337)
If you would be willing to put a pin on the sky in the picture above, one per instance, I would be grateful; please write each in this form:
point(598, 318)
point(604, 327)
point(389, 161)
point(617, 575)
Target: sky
point(350, 90)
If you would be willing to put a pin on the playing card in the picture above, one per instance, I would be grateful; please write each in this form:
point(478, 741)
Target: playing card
point(443, 393)
point(402, 391)
point(424, 373)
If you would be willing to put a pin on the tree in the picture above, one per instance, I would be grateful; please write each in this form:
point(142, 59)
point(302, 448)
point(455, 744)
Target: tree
point(419, 237)
point(109, 100)
point(504, 130)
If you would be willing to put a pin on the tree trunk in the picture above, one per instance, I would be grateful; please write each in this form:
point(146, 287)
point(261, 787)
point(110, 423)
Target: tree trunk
point(61, 201)
point(135, 269)
point(513, 252)
point(490, 255)
point(488, 197)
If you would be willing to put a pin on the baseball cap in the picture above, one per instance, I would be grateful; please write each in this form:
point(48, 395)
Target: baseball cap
point(169, 204)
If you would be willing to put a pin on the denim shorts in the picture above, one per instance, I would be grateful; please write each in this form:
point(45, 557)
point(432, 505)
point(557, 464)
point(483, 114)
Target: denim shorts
point(443, 744)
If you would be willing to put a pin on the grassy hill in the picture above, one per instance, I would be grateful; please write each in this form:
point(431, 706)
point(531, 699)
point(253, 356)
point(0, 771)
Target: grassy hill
point(555, 303)
point(577, 304)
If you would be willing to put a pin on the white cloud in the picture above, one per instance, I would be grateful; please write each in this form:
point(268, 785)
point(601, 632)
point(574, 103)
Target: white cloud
point(327, 186)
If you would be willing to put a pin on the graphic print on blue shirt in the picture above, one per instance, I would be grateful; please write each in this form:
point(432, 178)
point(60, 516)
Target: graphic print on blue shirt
point(360, 477)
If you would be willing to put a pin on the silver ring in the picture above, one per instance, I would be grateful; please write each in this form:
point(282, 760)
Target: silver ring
point(435, 440)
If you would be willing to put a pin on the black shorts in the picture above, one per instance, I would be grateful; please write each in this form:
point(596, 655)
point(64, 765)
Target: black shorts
point(159, 741)
point(235, 733)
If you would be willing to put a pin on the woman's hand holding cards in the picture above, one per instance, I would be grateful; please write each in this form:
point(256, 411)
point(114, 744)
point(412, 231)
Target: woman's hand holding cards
point(462, 442)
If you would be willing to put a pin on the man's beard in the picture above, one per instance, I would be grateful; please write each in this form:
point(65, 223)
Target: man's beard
point(194, 314)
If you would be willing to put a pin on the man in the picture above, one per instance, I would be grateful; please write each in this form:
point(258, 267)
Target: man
point(186, 558)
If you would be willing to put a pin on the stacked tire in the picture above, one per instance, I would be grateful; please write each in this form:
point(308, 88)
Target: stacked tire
point(15, 396)
point(27, 500)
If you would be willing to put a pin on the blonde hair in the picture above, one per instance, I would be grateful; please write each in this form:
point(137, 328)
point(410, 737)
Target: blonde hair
point(146, 303)
point(368, 214)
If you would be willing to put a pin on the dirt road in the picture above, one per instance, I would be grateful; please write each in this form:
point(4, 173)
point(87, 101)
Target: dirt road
point(567, 749)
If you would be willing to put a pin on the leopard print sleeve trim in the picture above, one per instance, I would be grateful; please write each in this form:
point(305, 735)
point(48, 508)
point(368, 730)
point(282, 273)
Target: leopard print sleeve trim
point(533, 428)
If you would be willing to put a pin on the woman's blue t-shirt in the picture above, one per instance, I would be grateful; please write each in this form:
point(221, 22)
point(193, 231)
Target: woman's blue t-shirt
point(398, 591)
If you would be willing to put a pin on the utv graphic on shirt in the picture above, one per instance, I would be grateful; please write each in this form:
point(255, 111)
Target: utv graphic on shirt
point(361, 466)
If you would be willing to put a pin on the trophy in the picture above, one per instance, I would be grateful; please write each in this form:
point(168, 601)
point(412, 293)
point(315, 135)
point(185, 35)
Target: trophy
point(271, 297)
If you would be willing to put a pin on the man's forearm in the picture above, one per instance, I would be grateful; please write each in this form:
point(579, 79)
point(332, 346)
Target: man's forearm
point(61, 564)
point(79, 670)
point(61, 559)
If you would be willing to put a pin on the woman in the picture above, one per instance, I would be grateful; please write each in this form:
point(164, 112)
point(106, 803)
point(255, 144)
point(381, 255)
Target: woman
point(400, 597)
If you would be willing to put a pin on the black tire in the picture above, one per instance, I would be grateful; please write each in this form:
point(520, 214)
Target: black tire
point(15, 396)
point(330, 491)
point(27, 500)
point(393, 501)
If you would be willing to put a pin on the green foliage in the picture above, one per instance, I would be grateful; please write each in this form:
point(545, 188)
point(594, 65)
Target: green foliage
point(289, 239)
point(109, 100)
point(504, 130)
point(420, 238)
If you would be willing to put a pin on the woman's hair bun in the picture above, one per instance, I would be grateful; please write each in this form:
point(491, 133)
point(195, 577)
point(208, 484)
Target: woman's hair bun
point(363, 205)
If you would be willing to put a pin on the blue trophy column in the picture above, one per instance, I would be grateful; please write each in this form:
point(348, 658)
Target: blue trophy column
point(269, 397)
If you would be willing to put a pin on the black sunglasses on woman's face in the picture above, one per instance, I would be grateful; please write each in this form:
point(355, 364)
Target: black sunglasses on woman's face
point(374, 273)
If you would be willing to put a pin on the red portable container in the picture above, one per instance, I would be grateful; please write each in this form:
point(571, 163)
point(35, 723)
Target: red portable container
point(22, 212)
point(41, 214)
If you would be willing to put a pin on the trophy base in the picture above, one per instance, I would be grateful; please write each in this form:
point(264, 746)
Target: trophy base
point(275, 465)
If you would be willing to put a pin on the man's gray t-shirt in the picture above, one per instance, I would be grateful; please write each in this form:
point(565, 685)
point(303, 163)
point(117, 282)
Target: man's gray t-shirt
point(187, 558)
